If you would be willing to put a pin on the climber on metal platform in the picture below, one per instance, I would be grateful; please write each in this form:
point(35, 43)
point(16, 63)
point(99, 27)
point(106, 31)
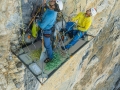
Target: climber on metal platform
point(47, 22)
point(79, 26)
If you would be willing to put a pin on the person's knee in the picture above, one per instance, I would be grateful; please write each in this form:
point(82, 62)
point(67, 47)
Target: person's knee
point(76, 38)
point(48, 46)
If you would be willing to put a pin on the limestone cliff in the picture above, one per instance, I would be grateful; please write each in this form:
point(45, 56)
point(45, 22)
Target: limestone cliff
point(94, 67)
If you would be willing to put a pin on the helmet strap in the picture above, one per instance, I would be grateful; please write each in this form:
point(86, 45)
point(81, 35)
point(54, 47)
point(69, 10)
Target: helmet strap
point(57, 7)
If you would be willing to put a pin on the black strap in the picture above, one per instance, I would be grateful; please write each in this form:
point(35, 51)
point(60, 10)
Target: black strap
point(46, 35)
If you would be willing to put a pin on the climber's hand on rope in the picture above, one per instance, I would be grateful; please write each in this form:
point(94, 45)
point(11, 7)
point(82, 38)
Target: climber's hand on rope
point(36, 22)
point(75, 27)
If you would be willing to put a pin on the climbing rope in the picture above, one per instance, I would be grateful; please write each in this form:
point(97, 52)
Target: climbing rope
point(23, 33)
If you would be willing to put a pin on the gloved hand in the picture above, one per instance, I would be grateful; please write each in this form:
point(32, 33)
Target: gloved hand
point(36, 22)
point(75, 27)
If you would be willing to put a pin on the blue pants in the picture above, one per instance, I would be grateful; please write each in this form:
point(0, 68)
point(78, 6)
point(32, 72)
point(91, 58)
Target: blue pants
point(47, 44)
point(77, 35)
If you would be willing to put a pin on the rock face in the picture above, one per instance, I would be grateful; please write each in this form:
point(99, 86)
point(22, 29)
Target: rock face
point(95, 67)
point(11, 77)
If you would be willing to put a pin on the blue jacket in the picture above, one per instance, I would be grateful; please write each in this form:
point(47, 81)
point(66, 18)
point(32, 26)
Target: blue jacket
point(48, 19)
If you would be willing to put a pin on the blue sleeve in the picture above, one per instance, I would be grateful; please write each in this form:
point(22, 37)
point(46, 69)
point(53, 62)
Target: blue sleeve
point(45, 21)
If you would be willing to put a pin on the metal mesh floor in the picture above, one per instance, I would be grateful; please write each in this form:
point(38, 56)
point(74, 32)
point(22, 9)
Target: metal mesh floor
point(31, 54)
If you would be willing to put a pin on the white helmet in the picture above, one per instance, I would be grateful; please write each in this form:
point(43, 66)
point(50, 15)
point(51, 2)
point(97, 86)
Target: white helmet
point(93, 11)
point(60, 4)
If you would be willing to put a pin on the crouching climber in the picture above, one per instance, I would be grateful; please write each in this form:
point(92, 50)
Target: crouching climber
point(79, 25)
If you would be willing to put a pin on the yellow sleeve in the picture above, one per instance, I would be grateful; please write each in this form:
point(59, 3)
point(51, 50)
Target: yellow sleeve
point(87, 25)
point(76, 17)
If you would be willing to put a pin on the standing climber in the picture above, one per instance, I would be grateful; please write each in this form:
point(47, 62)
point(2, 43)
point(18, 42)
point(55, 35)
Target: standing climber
point(47, 22)
point(80, 24)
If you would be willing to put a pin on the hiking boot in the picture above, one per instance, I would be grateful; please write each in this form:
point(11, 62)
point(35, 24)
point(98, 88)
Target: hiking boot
point(63, 30)
point(47, 60)
point(62, 47)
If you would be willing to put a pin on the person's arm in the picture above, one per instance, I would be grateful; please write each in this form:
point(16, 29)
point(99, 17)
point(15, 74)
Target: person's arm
point(84, 28)
point(44, 1)
point(34, 9)
point(74, 19)
point(45, 21)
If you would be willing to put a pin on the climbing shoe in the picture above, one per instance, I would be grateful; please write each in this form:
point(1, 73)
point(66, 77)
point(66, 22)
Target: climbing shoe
point(70, 34)
point(62, 47)
point(47, 60)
